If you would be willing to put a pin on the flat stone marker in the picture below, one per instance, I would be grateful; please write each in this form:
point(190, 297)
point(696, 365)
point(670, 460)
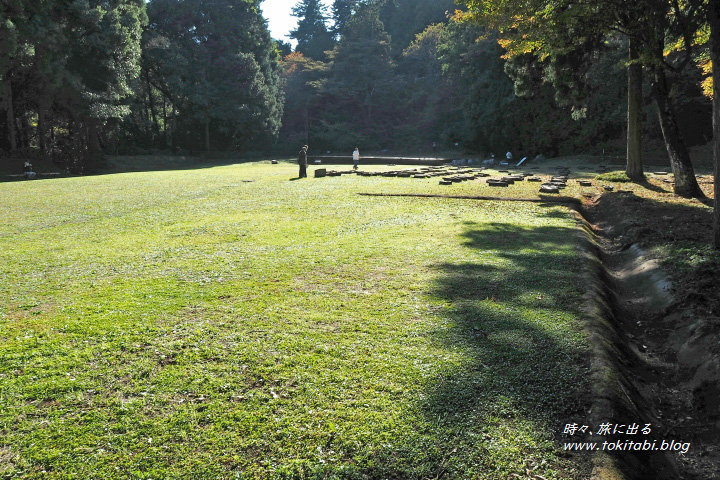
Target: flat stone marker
point(493, 182)
point(445, 182)
point(546, 188)
point(585, 183)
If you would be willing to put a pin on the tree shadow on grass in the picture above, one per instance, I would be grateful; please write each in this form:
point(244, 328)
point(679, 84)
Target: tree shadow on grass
point(652, 187)
point(518, 310)
point(652, 222)
point(514, 366)
point(512, 318)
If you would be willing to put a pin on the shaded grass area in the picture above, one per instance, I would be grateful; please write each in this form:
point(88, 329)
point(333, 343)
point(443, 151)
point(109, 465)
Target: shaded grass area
point(190, 324)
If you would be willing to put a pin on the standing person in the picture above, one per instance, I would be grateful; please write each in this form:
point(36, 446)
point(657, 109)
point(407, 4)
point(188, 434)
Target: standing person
point(28, 168)
point(302, 161)
point(356, 158)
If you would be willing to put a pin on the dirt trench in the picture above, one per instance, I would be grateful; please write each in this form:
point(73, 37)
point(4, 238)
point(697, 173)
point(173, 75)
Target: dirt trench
point(656, 362)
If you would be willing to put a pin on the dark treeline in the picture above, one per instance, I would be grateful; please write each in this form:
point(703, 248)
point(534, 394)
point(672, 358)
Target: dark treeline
point(406, 75)
point(83, 77)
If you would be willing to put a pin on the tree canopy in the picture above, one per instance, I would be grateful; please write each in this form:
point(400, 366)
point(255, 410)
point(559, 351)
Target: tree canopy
point(540, 76)
point(217, 65)
point(313, 36)
point(70, 65)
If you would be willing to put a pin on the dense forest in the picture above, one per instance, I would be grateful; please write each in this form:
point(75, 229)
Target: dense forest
point(80, 78)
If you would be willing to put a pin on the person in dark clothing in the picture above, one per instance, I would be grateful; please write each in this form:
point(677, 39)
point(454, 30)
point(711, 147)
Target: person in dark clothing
point(28, 168)
point(302, 161)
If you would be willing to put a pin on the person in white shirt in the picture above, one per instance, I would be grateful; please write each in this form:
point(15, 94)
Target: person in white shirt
point(356, 158)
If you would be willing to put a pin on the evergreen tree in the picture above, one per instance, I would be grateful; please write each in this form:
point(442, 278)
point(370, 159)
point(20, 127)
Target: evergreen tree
point(362, 65)
point(312, 34)
point(218, 65)
point(342, 10)
point(403, 19)
point(13, 25)
point(303, 81)
point(73, 64)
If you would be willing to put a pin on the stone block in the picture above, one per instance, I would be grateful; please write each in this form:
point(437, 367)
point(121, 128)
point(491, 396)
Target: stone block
point(497, 183)
point(545, 188)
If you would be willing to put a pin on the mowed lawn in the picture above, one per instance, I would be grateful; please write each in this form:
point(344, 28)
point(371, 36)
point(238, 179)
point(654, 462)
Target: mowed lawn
point(228, 322)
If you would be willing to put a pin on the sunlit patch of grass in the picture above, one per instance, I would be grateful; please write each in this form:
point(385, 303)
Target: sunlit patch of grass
point(618, 176)
point(189, 324)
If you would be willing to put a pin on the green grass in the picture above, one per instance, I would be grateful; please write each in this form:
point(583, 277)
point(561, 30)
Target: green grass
point(189, 324)
point(618, 176)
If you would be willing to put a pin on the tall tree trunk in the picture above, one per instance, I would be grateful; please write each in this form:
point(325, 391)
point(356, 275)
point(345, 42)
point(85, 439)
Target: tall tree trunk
point(207, 135)
point(52, 144)
point(10, 114)
point(24, 131)
point(307, 120)
point(42, 126)
point(151, 101)
point(368, 102)
point(685, 182)
point(174, 128)
point(634, 168)
point(165, 129)
point(714, 21)
point(93, 144)
point(76, 144)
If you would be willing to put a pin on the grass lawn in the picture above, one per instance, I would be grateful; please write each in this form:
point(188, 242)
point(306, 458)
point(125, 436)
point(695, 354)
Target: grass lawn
point(196, 324)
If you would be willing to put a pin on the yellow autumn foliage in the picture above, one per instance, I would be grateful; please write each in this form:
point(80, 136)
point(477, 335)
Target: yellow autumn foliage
point(707, 83)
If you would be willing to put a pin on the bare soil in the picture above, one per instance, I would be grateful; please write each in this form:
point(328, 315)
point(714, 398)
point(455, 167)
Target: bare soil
point(665, 282)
